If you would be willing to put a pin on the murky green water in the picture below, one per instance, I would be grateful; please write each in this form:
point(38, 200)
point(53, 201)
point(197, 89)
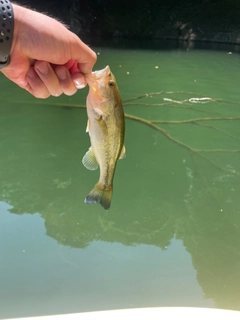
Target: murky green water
point(172, 235)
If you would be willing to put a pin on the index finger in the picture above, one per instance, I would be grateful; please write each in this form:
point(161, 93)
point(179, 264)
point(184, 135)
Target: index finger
point(72, 66)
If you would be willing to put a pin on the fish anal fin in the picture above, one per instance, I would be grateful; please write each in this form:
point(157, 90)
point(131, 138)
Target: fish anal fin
point(123, 153)
point(89, 160)
point(88, 126)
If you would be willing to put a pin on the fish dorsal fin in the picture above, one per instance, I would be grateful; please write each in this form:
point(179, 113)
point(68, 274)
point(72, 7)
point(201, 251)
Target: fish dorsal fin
point(89, 160)
point(123, 153)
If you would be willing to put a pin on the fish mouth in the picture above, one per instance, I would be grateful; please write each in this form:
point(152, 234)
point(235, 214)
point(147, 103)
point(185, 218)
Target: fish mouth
point(97, 75)
point(102, 72)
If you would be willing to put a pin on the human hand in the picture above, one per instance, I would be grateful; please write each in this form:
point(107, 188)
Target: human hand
point(46, 58)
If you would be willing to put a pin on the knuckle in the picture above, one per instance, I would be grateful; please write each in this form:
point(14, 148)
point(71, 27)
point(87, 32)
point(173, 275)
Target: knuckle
point(94, 57)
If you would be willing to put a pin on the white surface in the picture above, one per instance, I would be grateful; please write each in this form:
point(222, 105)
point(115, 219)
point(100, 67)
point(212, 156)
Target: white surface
point(149, 314)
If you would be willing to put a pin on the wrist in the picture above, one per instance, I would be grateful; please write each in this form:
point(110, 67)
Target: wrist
point(6, 32)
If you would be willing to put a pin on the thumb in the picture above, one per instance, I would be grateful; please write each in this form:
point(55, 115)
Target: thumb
point(84, 56)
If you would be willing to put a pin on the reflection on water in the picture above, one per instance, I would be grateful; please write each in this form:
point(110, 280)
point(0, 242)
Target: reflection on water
point(106, 275)
point(172, 234)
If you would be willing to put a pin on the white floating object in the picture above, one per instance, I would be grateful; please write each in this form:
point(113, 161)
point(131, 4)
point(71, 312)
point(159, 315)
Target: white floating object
point(165, 313)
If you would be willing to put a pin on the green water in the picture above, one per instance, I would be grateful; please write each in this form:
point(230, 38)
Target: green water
point(172, 235)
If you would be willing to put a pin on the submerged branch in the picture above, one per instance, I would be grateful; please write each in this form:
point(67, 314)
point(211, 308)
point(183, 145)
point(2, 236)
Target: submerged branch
point(193, 120)
point(184, 104)
point(52, 104)
point(163, 131)
point(152, 94)
point(192, 150)
point(218, 150)
point(169, 105)
point(217, 129)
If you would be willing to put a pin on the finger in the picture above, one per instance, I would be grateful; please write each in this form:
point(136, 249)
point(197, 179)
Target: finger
point(77, 77)
point(35, 85)
point(86, 65)
point(85, 57)
point(74, 68)
point(79, 80)
point(70, 65)
point(67, 85)
point(48, 77)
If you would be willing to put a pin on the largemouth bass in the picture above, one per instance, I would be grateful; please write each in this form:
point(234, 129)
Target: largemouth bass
point(106, 128)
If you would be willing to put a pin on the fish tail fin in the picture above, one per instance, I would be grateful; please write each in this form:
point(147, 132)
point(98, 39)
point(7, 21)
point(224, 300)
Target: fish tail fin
point(100, 195)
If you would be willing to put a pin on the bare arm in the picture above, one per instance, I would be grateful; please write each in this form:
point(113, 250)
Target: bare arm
point(46, 58)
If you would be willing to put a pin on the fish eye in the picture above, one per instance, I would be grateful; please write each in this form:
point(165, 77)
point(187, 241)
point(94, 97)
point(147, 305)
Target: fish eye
point(111, 83)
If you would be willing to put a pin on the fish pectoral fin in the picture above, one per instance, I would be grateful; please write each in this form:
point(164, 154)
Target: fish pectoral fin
point(89, 160)
point(100, 114)
point(123, 153)
point(103, 125)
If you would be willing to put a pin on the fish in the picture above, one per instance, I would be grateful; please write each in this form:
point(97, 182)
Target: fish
point(106, 128)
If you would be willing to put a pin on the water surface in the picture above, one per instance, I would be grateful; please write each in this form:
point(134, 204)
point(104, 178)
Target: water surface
point(172, 235)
